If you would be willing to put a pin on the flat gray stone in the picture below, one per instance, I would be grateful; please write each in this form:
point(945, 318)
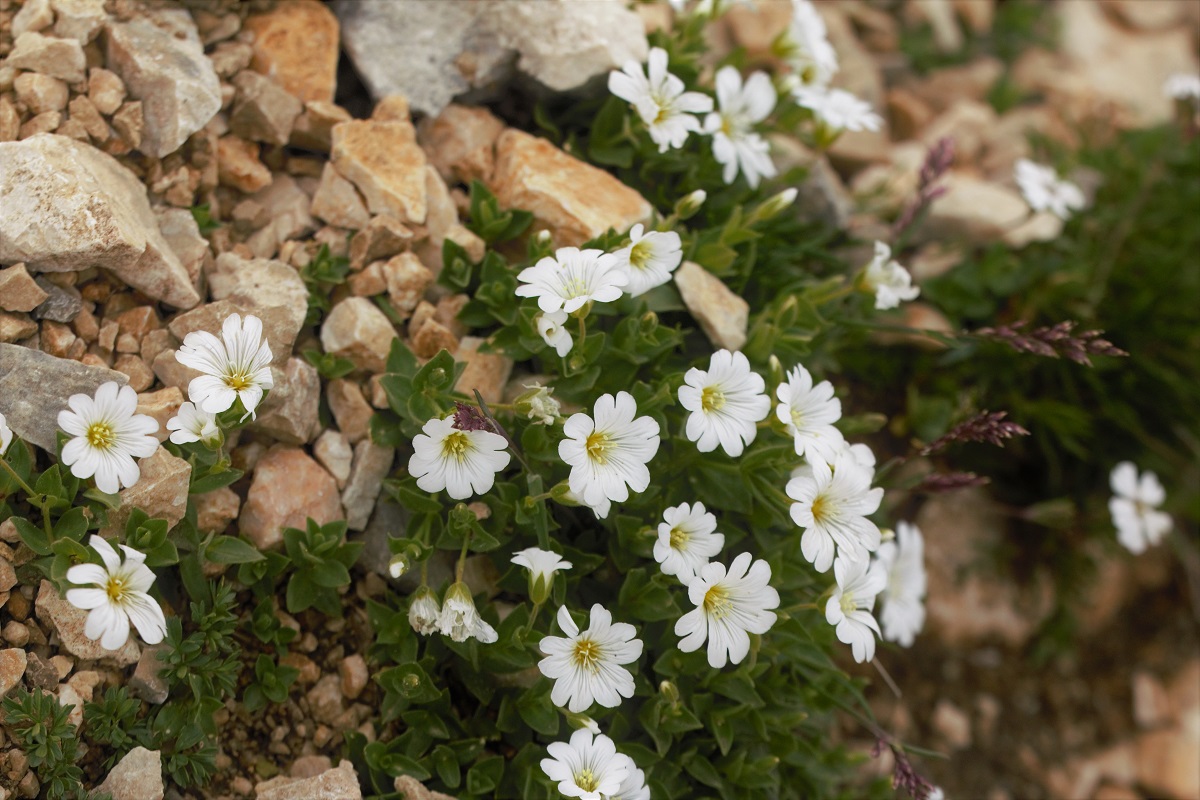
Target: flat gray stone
point(137, 776)
point(371, 465)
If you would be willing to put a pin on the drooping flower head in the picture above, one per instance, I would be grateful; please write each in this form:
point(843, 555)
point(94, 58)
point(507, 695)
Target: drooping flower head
point(572, 279)
point(903, 597)
point(588, 767)
point(538, 404)
point(460, 620)
point(832, 506)
point(461, 462)
point(730, 605)
point(107, 435)
point(727, 402)
point(117, 595)
point(1044, 191)
point(660, 100)
point(191, 424)
point(1135, 507)
point(838, 110)
point(551, 327)
point(850, 606)
point(424, 611)
point(608, 453)
point(649, 259)
point(687, 539)
point(735, 143)
point(890, 282)
point(806, 47)
point(588, 666)
point(542, 565)
point(808, 412)
point(236, 367)
point(6, 435)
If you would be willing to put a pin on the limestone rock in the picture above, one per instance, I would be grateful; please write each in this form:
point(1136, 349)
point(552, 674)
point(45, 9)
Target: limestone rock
point(288, 488)
point(460, 143)
point(296, 43)
point(371, 465)
point(721, 314)
point(215, 510)
point(263, 110)
point(576, 201)
point(106, 90)
point(383, 159)
point(18, 291)
point(335, 784)
point(34, 15)
point(12, 668)
point(332, 450)
point(973, 209)
point(161, 492)
point(48, 55)
point(313, 129)
point(412, 789)
point(62, 305)
point(271, 290)
point(15, 327)
point(69, 206)
point(289, 413)
point(356, 329)
point(383, 237)
point(137, 776)
point(35, 386)
point(407, 279)
point(78, 19)
point(238, 165)
point(68, 621)
point(146, 681)
point(350, 409)
point(485, 372)
point(337, 201)
point(40, 93)
point(169, 74)
point(182, 235)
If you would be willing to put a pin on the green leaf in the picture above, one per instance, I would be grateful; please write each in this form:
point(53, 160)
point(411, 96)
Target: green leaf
point(204, 483)
point(230, 550)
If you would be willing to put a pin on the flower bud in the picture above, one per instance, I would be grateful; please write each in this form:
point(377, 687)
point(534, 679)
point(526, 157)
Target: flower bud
point(669, 692)
point(687, 206)
point(562, 494)
point(424, 611)
point(649, 323)
point(398, 565)
point(581, 722)
point(886, 534)
point(772, 206)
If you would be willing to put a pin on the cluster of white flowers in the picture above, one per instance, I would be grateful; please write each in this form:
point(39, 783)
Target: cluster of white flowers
point(1045, 191)
point(456, 616)
point(589, 767)
point(890, 282)
point(806, 48)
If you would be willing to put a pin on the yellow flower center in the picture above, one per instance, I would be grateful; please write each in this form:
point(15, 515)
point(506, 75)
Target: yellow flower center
point(586, 655)
point(847, 603)
point(716, 602)
point(101, 435)
point(456, 445)
point(820, 508)
point(238, 381)
point(639, 254)
point(712, 399)
point(587, 780)
point(797, 419)
point(679, 537)
point(598, 445)
point(116, 589)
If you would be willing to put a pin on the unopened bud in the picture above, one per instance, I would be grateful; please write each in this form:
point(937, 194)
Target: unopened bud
point(670, 692)
point(772, 206)
point(649, 323)
point(886, 534)
point(562, 494)
point(688, 206)
point(398, 565)
point(581, 722)
point(775, 370)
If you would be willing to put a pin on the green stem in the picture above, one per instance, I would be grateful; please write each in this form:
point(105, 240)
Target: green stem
point(462, 558)
point(24, 486)
point(29, 494)
point(532, 618)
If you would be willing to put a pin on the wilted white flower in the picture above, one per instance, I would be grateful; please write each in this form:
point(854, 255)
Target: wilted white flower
point(1134, 507)
point(687, 539)
point(608, 454)
point(191, 424)
point(839, 110)
point(542, 564)
point(634, 786)
point(806, 47)
point(537, 403)
point(460, 620)
point(572, 279)
point(236, 366)
point(588, 666)
point(424, 612)
point(735, 143)
point(107, 436)
point(727, 402)
point(890, 282)
point(660, 100)
point(6, 435)
point(1044, 191)
point(588, 767)
point(118, 595)
point(832, 507)
point(730, 605)
point(461, 462)
point(649, 259)
point(903, 598)
point(551, 327)
point(808, 412)
point(1183, 86)
point(858, 582)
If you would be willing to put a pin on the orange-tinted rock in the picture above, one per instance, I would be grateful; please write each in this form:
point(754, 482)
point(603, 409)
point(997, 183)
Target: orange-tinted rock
point(238, 165)
point(383, 160)
point(460, 143)
point(297, 44)
point(288, 488)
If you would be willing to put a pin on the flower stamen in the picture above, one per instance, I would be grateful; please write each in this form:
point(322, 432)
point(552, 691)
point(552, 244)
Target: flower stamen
point(101, 435)
point(598, 445)
point(712, 399)
point(717, 603)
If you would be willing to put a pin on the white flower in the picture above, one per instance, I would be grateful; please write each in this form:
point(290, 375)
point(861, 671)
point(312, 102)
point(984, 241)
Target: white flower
point(890, 282)
point(461, 462)
point(107, 435)
point(687, 539)
point(1043, 190)
point(729, 606)
point(6, 435)
point(660, 100)
point(649, 259)
point(936, 793)
point(600, 509)
point(424, 612)
point(191, 424)
point(859, 454)
point(572, 279)
point(850, 606)
point(727, 403)
point(1134, 507)
point(542, 564)
point(832, 507)
point(538, 404)
point(1182, 86)
point(238, 365)
point(551, 327)
point(839, 110)
point(634, 786)
point(808, 412)
point(588, 767)
point(735, 144)
point(807, 49)
point(459, 620)
point(586, 666)
point(118, 596)
point(608, 454)
point(903, 562)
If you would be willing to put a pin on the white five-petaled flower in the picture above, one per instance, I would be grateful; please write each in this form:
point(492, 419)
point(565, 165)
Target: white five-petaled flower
point(106, 436)
point(903, 598)
point(588, 767)
point(807, 49)
point(542, 564)
point(193, 424)
point(572, 279)
point(6, 435)
point(687, 539)
point(461, 462)
point(838, 110)
point(858, 582)
point(660, 100)
point(832, 506)
point(460, 620)
point(727, 402)
point(236, 366)
point(587, 666)
point(634, 786)
point(890, 282)
point(735, 143)
point(808, 412)
point(551, 326)
point(859, 454)
point(730, 605)
point(117, 596)
point(1183, 86)
point(424, 612)
point(608, 453)
point(1044, 191)
point(649, 259)
point(1134, 507)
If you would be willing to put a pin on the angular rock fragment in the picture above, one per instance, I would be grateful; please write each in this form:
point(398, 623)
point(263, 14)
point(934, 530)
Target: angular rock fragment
point(371, 465)
point(722, 315)
point(49, 55)
point(296, 43)
point(356, 329)
point(288, 488)
point(383, 160)
point(137, 776)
